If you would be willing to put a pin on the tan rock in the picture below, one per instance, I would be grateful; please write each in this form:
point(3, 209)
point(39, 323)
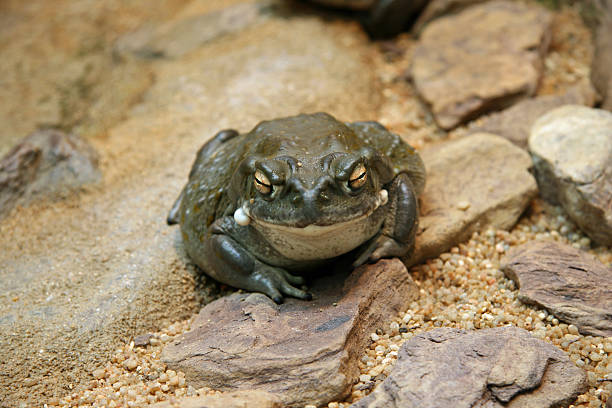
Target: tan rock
point(515, 122)
point(485, 368)
point(485, 171)
point(237, 399)
point(482, 59)
point(571, 284)
point(571, 148)
point(303, 352)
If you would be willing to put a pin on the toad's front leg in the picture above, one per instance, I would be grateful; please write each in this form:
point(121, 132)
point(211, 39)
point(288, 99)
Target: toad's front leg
point(231, 263)
point(399, 229)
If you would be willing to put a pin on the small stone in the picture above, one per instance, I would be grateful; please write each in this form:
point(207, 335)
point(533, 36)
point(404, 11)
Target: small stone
point(99, 373)
point(130, 364)
point(143, 340)
point(463, 205)
point(374, 337)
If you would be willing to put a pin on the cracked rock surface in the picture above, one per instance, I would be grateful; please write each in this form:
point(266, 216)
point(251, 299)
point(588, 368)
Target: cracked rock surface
point(493, 368)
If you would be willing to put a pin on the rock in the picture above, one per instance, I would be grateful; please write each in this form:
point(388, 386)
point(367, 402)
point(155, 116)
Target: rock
point(303, 352)
point(571, 148)
point(143, 340)
point(90, 272)
point(515, 122)
point(178, 37)
point(485, 58)
point(500, 367)
point(474, 183)
point(601, 67)
point(47, 163)
point(439, 8)
point(237, 399)
point(571, 284)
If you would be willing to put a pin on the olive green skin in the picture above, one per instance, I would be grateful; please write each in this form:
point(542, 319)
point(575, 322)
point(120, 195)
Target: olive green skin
point(308, 160)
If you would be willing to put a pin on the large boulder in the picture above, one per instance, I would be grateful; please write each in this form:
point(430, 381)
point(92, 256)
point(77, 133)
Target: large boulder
point(474, 183)
point(485, 58)
point(571, 148)
point(573, 285)
point(500, 367)
point(302, 352)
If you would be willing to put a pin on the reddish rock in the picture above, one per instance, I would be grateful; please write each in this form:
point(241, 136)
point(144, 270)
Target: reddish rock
point(571, 284)
point(478, 182)
point(485, 58)
point(303, 352)
point(500, 367)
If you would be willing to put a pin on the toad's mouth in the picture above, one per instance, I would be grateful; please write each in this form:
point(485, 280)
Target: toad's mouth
point(243, 217)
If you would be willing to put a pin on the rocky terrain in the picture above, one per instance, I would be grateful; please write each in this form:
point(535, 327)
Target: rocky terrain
point(506, 301)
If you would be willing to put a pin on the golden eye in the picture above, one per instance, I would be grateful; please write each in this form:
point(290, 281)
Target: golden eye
point(262, 183)
point(358, 177)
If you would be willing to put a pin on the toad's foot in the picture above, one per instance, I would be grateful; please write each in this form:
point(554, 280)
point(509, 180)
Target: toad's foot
point(276, 282)
point(380, 247)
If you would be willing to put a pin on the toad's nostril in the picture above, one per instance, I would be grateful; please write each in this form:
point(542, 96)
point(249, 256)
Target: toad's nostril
point(297, 200)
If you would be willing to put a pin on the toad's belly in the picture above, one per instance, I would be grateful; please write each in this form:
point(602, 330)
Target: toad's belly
point(320, 242)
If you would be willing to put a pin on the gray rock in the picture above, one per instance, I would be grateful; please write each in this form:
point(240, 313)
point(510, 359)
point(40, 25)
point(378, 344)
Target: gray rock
point(303, 352)
point(571, 284)
point(494, 368)
point(571, 148)
point(237, 399)
point(178, 37)
point(601, 67)
point(473, 183)
point(485, 58)
point(515, 122)
point(46, 164)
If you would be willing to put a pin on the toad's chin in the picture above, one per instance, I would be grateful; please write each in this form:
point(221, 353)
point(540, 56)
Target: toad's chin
point(317, 242)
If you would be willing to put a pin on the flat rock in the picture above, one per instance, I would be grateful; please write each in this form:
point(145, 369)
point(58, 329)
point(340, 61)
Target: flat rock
point(303, 352)
point(474, 183)
point(601, 67)
point(515, 122)
point(493, 368)
point(485, 58)
point(571, 148)
point(237, 399)
point(571, 284)
point(82, 276)
point(47, 163)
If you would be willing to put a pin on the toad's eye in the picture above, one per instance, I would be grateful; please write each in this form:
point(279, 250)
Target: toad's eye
point(262, 183)
point(358, 177)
